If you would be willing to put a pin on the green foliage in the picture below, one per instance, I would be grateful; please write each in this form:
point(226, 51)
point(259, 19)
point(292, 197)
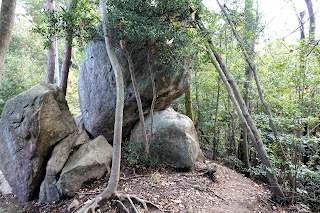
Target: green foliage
point(161, 25)
point(137, 155)
point(81, 19)
point(309, 187)
point(25, 61)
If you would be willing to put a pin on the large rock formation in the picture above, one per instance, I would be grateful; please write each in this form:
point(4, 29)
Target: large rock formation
point(90, 162)
point(97, 92)
point(174, 139)
point(32, 123)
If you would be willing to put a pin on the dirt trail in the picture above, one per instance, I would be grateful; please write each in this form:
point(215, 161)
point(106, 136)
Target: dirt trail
point(173, 191)
point(191, 192)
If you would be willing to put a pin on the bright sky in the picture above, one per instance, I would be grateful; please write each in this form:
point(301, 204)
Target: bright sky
point(280, 16)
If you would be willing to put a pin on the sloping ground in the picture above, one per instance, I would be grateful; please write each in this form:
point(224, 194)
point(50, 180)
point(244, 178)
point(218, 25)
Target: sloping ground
point(173, 191)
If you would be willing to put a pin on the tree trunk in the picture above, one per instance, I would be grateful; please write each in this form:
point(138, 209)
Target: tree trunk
point(51, 51)
point(117, 136)
point(138, 99)
point(312, 20)
point(247, 121)
point(67, 54)
point(7, 14)
point(111, 190)
point(188, 103)
point(215, 140)
point(154, 94)
point(249, 37)
point(244, 115)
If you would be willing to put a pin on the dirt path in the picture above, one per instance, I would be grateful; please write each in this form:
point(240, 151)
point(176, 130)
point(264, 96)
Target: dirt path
point(240, 194)
point(191, 192)
point(173, 192)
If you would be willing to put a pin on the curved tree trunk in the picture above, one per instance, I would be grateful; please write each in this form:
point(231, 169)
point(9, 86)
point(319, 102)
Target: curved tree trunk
point(111, 190)
point(51, 51)
point(7, 14)
point(117, 136)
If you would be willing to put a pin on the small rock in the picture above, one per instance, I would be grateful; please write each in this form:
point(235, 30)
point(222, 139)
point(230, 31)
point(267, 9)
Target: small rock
point(4, 185)
point(177, 201)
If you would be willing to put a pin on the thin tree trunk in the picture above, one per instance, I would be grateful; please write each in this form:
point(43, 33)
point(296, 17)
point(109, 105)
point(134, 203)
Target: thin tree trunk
point(265, 103)
point(198, 124)
point(138, 99)
point(188, 103)
point(244, 115)
point(154, 95)
point(247, 121)
point(51, 51)
point(111, 190)
point(67, 54)
point(7, 14)
point(117, 136)
point(215, 141)
point(301, 24)
point(249, 35)
point(312, 21)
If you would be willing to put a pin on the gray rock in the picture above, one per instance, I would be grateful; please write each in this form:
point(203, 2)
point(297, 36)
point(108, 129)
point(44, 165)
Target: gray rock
point(4, 185)
point(32, 123)
point(90, 162)
point(174, 141)
point(97, 90)
point(60, 154)
point(79, 121)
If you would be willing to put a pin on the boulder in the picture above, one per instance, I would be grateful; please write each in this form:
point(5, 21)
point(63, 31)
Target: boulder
point(91, 161)
point(174, 140)
point(4, 185)
point(97, 90)
point(32, 123)
point(49, 191)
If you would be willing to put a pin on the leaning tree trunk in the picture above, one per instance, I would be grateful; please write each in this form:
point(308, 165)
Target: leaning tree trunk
point(137, 94)
point(263, 101)
point(154, 93)
point(7, 14)
point(111, 190)
point(51, 51)
point(244, 115)
point(247, 121)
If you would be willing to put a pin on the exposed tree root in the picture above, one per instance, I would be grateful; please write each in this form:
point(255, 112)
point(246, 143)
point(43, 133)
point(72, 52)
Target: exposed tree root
point(208, 172)
point(125, 203)
point(134, 203)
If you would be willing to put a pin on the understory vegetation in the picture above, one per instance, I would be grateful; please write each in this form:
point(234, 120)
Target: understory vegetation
point(289, 73)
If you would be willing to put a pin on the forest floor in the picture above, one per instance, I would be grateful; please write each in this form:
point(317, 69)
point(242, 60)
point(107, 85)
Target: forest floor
point(172, 191)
